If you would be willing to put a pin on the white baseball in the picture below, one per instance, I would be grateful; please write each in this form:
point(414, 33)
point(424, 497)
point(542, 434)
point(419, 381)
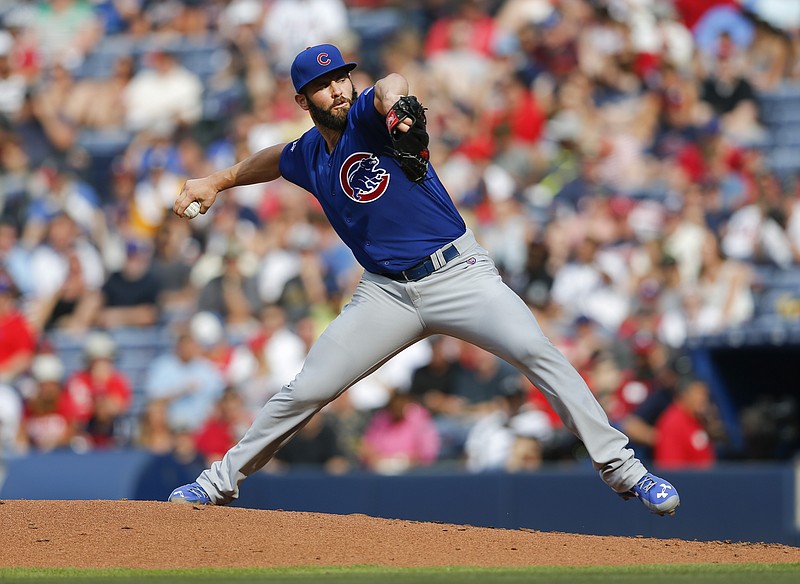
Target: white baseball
point(192, 210)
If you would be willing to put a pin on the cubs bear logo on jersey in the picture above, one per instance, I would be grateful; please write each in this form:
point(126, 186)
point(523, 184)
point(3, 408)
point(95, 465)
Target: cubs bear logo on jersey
point(361, 178)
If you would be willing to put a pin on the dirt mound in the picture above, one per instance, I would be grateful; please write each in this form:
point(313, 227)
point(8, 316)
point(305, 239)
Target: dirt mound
point(143, 534)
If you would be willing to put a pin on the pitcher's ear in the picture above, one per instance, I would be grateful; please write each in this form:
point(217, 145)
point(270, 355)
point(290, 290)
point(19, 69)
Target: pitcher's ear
point(301, 100)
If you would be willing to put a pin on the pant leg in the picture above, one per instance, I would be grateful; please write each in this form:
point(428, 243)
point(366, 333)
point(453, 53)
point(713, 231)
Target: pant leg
point(470, 301)
point(378, 323)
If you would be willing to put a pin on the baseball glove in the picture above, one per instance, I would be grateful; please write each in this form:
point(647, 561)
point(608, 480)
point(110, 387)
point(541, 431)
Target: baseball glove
point(409, 149)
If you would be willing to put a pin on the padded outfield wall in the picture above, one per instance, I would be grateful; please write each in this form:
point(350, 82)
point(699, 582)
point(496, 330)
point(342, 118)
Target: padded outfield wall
point(737, 502)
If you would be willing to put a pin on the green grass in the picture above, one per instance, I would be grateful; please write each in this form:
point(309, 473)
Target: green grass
point(676, 574)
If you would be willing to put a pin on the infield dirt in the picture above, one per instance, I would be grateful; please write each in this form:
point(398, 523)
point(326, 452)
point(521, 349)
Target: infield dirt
point(143, 534)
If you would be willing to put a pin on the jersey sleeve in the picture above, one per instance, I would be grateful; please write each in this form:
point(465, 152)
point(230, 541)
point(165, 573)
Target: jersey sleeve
point(293, 163)
point(364, 114)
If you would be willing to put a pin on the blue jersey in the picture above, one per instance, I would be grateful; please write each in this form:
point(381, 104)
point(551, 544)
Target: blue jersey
point(390, 222)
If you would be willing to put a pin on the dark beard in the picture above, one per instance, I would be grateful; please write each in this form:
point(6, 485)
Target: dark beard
point(336, 122)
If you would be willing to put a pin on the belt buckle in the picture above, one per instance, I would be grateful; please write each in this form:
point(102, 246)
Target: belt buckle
point(424, 265)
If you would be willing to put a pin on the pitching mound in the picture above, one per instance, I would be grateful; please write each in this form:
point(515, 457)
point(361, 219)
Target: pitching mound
point(143, 534)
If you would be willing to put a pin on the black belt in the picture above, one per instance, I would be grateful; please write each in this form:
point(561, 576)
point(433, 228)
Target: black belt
point(425, 268)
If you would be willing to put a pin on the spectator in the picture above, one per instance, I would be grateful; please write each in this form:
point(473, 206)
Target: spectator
point(692, 11)
point(671, 288)
point(153, 431)
point(499, 440)
point(607, 379)
point(480, 378)
point(399, 437)
point(591, 285)
point(640, 424)
point(63, 192)
point(373, 391)
point(163, 95)
point(67, 273)
point(434, 384)
point(223, 428)
point(240, 23)
point(756, 232)
point(513, 15)
point(686, 431)
point(792, 212)
point(280, 261)
point(506, 237)
point(51, 94)
point(14, 258)
point(469, 19)
point(216, 345)
point(270, 358)
point(459, 388)
point(153, 190)
point(73, 306)
point(316, 445)
point(17, 339)
point(555, 48)
point(65, 30)
point(732, 98)
point(120, 207)
point(536, 281)
point(684, 235)
point(639, 331)
point(402, 52)
point(724, 286)
point(37, 135)
point(15, 174)
point(291, 26)
point(188, 382)
point(49, 420)
point(100, 393)
point(172, 445)
point(130, 296)
point(173, 255)
point(12, 83)
point(98, 103)
point(10, 420)
point(457, 62)
point(584, 343)
point(317, 280)
point(519, 113)
point(233, 295)
point(768, 56)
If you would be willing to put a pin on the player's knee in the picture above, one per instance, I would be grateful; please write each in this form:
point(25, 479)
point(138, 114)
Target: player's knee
point(305, 391)
point(533, 349)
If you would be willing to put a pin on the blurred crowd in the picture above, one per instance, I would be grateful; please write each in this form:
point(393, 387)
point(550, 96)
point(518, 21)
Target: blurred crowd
point(606, 152)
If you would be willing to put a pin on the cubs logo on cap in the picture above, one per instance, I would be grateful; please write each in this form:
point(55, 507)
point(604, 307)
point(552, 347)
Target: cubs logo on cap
point(315, 62)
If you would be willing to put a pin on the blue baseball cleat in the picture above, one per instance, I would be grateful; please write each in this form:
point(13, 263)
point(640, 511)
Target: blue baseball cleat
point(656, 494)
point(191, 493)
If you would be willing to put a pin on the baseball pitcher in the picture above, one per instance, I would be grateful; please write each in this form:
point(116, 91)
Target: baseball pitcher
point(366, 160)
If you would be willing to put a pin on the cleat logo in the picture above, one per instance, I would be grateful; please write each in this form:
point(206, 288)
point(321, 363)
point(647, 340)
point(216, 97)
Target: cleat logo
point(663, 494)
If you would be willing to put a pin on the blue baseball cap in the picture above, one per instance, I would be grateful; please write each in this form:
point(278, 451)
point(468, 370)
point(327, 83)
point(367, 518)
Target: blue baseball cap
point(315, 62)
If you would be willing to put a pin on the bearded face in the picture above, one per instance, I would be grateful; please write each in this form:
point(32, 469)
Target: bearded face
point(335, 117)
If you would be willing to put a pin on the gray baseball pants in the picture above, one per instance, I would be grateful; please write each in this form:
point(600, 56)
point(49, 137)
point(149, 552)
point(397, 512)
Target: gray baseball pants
point(465, 299)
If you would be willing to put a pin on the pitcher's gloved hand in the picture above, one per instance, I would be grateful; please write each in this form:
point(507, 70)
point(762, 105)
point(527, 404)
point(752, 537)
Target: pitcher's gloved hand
point(409, 148)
